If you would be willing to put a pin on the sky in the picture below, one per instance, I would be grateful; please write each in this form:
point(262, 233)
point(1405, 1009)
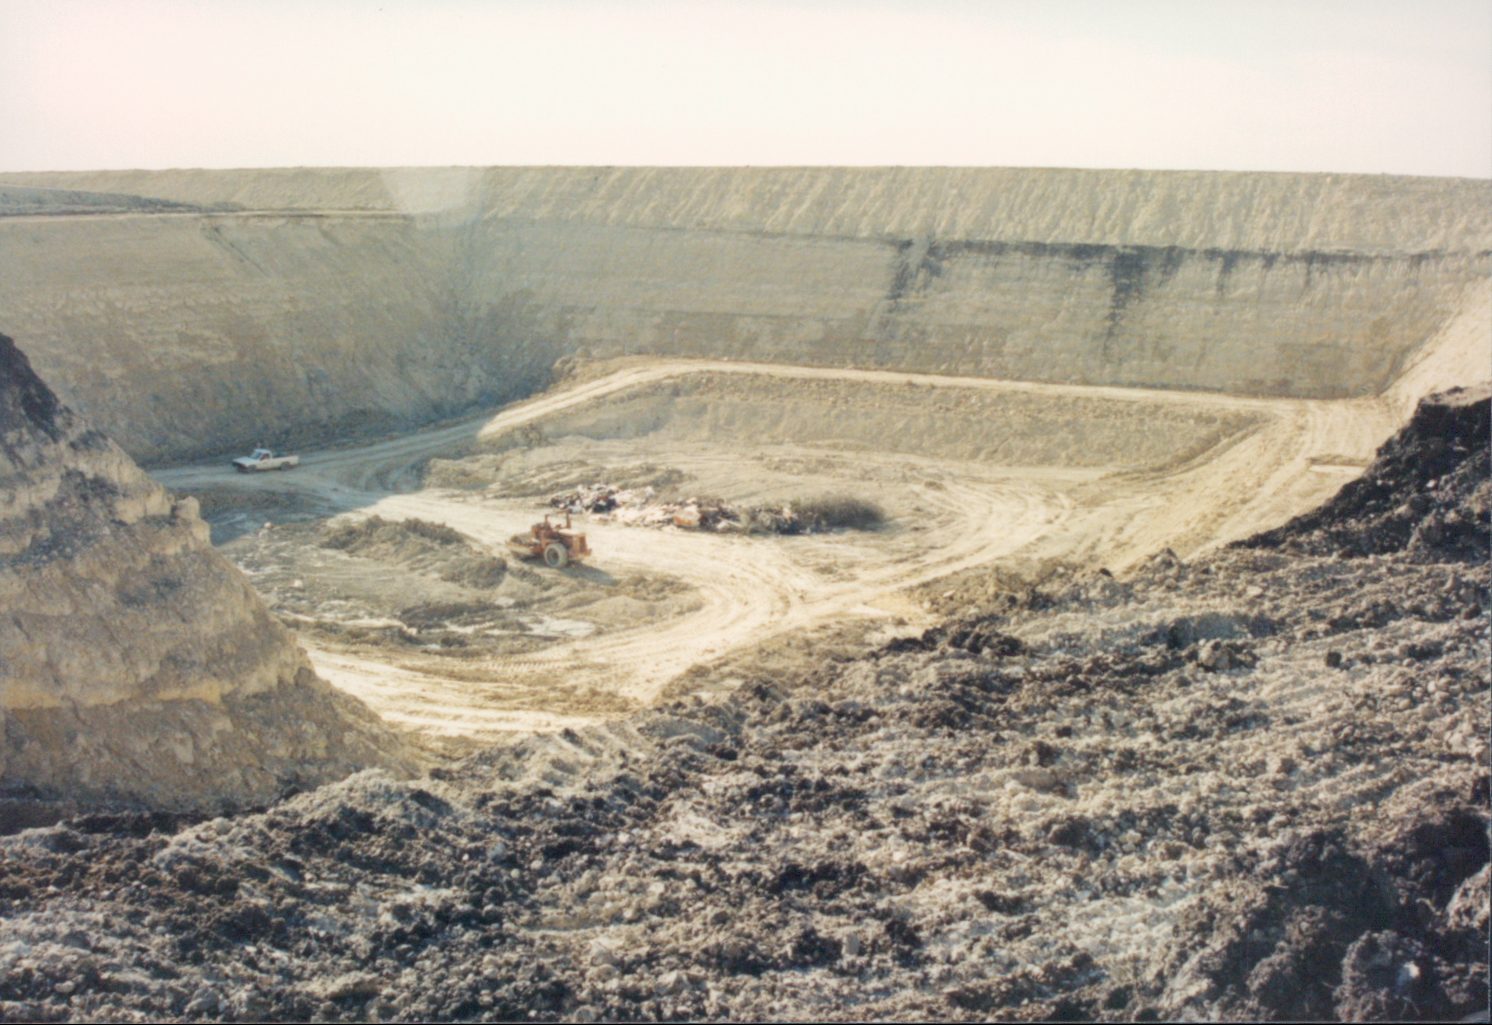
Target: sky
point(1369, 86)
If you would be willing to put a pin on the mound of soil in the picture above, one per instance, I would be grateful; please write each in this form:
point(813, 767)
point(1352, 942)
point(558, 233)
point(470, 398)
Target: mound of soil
point(1429, 492)
point(378, 537)
point(419, 544)
point(137, 666)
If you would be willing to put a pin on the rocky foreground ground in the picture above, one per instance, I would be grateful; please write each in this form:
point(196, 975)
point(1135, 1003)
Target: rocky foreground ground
point(1254, 786)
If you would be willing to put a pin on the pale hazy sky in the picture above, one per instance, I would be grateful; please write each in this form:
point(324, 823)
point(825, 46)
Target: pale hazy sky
point(1377, 86)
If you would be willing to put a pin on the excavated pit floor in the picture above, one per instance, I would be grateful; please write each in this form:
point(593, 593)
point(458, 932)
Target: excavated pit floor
point(974, 475)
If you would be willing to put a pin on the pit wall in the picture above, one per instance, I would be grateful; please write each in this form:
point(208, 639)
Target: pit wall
point(1252, 322)
point(205, 334)
point(269, 307)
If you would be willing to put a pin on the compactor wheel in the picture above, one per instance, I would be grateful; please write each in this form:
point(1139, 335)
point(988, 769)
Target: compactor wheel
point(555, 555)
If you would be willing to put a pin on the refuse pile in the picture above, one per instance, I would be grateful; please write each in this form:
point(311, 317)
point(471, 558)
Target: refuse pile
point(642, 507)
point(598, 498)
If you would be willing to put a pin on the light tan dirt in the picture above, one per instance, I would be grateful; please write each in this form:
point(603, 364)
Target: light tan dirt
point(1269, 459)
point(191, 313)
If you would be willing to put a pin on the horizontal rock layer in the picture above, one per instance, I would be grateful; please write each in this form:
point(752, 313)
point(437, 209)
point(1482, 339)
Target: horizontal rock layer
point(228, 308)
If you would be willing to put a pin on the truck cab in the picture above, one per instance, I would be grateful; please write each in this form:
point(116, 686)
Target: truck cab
point(264, 459)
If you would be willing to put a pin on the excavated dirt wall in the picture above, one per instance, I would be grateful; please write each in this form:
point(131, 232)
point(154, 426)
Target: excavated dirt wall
point(244, 307)
point(1264, 322)
point(190, 334)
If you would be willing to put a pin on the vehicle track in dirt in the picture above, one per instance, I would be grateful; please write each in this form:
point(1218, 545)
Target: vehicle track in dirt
point(752, 589)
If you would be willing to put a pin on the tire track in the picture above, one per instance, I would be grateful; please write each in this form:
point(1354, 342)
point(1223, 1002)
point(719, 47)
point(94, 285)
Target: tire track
point(754, 589)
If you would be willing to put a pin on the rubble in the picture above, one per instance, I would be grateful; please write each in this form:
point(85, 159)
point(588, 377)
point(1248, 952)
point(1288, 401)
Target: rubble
point(643, 508)
point(1048, 809)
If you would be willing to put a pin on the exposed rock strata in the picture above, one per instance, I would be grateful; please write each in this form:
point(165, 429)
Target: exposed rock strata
point(136, 664)
point(289, 305)
point(1252, 787)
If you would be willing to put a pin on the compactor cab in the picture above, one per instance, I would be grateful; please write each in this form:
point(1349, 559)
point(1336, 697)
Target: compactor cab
point(557, 546)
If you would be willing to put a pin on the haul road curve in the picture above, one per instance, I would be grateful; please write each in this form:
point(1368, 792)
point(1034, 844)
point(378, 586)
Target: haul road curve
point(947, 515)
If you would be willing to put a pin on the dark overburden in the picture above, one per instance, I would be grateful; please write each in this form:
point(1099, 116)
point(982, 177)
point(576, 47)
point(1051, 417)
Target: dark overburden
point(1249, 787)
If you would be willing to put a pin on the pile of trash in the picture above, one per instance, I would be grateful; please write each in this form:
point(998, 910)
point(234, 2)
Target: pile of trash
point(599, 498)
point(690, 513)
point(641, 507)
point(783, 519)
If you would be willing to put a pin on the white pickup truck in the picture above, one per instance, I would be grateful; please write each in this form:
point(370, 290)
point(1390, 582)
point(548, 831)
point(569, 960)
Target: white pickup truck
point(264, 459)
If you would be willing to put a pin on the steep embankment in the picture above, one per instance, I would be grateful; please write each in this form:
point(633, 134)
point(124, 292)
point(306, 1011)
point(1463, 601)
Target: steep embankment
point(1266, 284)
point(292, 304)
point(136, 664)
point(191, 333)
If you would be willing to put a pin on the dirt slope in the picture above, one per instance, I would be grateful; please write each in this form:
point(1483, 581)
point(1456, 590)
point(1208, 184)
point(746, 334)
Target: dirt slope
point(1436, 453)
point(136, 664)
point(1249, 787)
point(290, 306)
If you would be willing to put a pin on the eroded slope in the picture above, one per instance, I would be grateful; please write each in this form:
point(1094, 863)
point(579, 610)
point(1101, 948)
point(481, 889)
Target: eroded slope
point(136, 664)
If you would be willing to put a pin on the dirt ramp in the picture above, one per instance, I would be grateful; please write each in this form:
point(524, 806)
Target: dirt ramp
point(136, 665)
point(874, 414)
point(1392, 507)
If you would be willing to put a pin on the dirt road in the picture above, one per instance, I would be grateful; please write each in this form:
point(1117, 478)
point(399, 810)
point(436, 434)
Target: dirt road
point(751, 589)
